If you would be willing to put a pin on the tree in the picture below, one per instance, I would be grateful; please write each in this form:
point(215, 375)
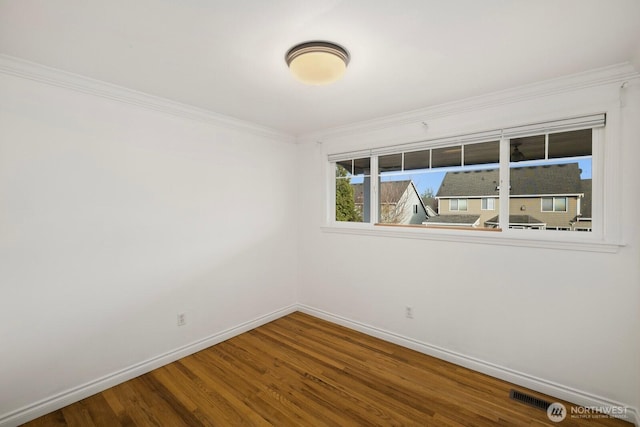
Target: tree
point(428, 193)
point(345, 204)
point(428, 197)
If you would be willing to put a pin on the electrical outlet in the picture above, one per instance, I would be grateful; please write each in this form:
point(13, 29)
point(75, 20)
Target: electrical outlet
point(182, 320)
point(408, 312)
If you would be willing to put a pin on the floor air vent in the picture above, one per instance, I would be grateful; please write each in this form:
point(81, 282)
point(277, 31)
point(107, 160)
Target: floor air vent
point(529, 400)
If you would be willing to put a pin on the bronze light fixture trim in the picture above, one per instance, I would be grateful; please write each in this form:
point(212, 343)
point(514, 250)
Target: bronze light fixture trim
point(317, 62)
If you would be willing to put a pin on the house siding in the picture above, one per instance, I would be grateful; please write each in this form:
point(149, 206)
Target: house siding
point(533, 207)
point(474, 207)
point(517, 206)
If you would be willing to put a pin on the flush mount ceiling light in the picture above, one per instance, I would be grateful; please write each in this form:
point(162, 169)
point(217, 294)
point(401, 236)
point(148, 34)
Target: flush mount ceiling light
point(317, 62)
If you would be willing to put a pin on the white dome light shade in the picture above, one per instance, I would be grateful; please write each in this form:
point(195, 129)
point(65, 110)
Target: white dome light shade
point(317, 63)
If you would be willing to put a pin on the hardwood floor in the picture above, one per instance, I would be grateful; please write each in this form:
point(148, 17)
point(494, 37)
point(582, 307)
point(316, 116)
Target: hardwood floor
point(303, 371)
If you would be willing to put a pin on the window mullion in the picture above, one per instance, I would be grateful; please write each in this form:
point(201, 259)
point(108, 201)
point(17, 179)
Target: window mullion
point(375, 193)
point(504, 183)
point(331, 187)
point(546, 146)
point(610, 229)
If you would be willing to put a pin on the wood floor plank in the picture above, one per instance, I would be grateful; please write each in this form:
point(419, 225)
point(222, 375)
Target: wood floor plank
point(77, 415)
point(111, 397)
point(194, 394)
point(100, 412)
point(170, 408)
point(362, 379)
point(224, 390)
point(349, 387)
point(302, 371)
point(137, 405)
point(283, 382)
point(278, 385)
point(53, 419)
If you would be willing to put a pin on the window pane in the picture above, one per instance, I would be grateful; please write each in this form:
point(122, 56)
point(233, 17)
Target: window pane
point(551, 195)
point(408, 197)
point(527, 148)
point(362, 166)
point(462, 204)
point(352, 194)
point(453, 204)
point(344, 168)
point(570, 144)
point(416, 160)
point(483, 153)
point(390, 163)
point(447, 156)
point(398, 202)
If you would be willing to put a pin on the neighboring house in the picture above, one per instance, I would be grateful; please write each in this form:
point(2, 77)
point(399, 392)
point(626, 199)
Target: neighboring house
point(541, 197)
point(400, 203)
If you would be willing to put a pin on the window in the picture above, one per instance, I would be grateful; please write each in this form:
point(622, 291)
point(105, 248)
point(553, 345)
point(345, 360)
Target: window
point(488, 204)
point(458, 204)
point(456, 182)
point(554, 204)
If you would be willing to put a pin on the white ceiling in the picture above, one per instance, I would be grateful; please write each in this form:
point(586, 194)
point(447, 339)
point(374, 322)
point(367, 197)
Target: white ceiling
point(227, 56)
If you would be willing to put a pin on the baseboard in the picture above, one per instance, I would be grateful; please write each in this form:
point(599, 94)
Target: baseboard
point(53, 403)
point(519, 378)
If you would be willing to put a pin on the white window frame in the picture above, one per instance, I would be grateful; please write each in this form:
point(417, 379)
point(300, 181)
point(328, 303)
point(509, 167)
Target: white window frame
point(604, 237)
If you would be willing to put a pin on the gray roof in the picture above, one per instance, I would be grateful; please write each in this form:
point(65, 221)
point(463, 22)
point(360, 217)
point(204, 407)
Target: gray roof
point(585, 204)
point(516, 219)
point(528, 180)
point(452, 219)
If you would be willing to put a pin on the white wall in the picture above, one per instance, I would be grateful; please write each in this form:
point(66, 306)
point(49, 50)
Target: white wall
point(113, 219)
point(561, 321)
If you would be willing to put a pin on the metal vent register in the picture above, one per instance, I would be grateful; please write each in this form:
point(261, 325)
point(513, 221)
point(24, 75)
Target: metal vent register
point(529, 400)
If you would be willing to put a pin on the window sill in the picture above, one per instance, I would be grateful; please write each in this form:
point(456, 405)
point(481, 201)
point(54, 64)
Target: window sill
point(521, 238)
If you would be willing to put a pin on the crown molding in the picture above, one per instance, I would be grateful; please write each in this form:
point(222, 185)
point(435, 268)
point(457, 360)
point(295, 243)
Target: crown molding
point(21, 68)
point(18, 67)
point(618, 74)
